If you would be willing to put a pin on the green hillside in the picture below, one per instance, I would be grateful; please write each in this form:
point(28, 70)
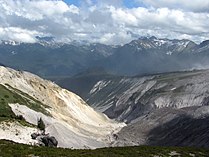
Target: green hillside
point(9, 149)
point(12, 95)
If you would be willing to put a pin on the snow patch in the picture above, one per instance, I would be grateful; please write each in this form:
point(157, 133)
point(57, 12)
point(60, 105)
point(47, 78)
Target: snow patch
point(183, 43)
point(10, 42)
point(13, 53)
point(169, 53)
point(160, 42)
point(173, 88)
point(98, 86)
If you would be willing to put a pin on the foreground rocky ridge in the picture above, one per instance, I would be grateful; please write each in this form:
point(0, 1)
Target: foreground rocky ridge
point(66, 116)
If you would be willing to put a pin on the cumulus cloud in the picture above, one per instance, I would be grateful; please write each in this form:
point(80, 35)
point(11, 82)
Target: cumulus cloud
point(108, 22)
point(189, 5)
point(18, 34)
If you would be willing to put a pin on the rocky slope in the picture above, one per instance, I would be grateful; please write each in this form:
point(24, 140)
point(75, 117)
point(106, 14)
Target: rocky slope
point(66, 116)
point(168, 127)
point(164, 109)
point(127, 98)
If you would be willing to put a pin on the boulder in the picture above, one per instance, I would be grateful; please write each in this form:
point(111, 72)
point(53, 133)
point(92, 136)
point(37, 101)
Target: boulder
point(45, 139)
point(34, 136)
point(49, 141)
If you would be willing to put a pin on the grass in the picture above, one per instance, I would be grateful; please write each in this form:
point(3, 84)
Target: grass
point(30, 101)
point(6, 97)
point(9, 96)
point(9, 149)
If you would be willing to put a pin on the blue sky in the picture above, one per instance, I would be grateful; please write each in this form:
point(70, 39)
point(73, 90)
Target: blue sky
point(75, 2)
point(126, 3)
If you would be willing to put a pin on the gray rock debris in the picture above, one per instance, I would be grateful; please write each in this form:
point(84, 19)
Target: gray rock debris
point(45, 139)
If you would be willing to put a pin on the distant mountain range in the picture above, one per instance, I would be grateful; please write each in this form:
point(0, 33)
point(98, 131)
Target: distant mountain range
point(145, 55)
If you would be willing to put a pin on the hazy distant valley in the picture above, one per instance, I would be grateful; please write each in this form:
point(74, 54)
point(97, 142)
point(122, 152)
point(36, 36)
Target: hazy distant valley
point(146, 55)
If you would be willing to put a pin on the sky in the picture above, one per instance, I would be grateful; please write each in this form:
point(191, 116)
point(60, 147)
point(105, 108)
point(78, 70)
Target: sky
point(103, 21)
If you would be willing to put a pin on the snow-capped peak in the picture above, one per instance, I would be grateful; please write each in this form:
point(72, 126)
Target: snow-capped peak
point(10, 42)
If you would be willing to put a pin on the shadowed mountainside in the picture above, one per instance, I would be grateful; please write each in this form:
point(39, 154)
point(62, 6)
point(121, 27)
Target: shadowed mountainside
point(169, 127)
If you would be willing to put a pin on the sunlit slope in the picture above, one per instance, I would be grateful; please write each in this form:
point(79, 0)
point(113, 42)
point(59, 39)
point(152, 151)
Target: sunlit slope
point(66, 115)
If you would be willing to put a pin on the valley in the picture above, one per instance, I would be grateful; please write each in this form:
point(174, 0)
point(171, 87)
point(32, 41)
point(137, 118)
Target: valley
point(156, 108)
point(169, 109)
point(164, 109)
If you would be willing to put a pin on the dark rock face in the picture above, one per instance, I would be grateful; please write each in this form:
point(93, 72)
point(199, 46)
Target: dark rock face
point(2, 65)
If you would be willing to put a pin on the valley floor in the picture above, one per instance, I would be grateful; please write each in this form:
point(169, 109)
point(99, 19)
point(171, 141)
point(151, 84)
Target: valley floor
point(8, 149)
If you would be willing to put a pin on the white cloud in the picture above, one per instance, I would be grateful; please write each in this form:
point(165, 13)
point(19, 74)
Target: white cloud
point(189, 5)
point(105, 21)
point(123, 16)
point(18, 34)
point(36, 10)
point(173, 20)
point(89, 2)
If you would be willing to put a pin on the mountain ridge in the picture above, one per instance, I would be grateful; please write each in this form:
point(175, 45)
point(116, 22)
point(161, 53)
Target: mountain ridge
point(121, 93)
point(141, 56)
